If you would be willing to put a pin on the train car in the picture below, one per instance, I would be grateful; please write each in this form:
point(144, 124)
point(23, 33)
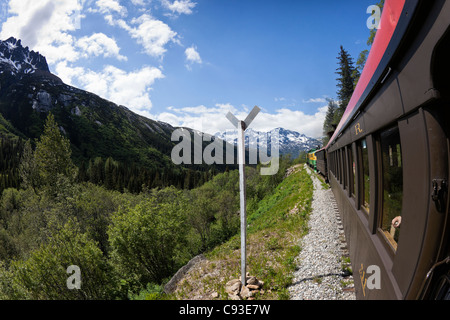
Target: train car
point(311, 159)
point(388, 160)
point(321, 163)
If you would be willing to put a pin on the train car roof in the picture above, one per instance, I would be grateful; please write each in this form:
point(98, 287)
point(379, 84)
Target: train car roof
point(321, 149)
point(395, 20)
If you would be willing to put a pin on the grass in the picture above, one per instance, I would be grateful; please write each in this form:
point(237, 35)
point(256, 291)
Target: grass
point(273, 234)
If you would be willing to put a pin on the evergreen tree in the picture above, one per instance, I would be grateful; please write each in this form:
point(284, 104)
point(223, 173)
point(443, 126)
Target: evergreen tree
point(27, 168)
point(329, 120)
point(346, 79)
point(360, 63)
point(53, 156)
point(109, 177)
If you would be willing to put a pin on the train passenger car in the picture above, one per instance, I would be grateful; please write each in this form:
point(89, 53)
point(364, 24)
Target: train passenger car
point(321, 163)
point(311, 159)
point(389, 157)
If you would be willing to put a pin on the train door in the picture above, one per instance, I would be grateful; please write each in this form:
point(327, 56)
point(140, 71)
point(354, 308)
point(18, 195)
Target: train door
point(420, 264)
point(436, 284)
point(436, 250)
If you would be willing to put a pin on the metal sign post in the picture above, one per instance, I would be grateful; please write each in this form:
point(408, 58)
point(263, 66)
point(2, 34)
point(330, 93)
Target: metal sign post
point(242, 126)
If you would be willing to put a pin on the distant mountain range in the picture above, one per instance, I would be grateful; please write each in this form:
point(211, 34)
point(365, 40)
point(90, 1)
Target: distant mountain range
point(290, 142)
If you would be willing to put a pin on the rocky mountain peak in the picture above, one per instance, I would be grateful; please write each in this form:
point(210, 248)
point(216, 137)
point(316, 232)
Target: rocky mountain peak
point(290, 142)
point(17, 59)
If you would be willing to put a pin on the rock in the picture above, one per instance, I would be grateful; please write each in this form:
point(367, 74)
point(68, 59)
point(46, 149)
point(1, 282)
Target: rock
point(235, 297)
point(171, 286)
point(246, 292)
point(65, 99)
point(233, 287)
point(236, 290)
point(253, 286)
point(44, 99)
point(252, 280)
point(76, 111)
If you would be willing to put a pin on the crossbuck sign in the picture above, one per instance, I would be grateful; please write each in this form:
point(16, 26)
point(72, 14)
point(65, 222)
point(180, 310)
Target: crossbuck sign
point(242, 126)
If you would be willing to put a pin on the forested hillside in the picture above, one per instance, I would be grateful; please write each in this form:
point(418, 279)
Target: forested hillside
point(121, 241)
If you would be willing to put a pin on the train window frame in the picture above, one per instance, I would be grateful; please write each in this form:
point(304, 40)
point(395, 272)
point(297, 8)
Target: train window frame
point(361, 176)
point(351, 173)
point(334, 164)
point(341, 156)
point(331, 163)
point(393, 249)
point(339, 176)
point(344, 168)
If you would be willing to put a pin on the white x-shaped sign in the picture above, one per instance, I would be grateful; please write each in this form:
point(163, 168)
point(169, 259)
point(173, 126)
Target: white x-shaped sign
point(252, 115)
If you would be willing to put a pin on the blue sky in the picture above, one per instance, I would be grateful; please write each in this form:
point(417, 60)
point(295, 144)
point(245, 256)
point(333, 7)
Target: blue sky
point(189, 62)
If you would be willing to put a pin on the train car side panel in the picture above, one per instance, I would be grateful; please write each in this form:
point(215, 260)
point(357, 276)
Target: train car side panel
point(364, 251)
point(389, 162)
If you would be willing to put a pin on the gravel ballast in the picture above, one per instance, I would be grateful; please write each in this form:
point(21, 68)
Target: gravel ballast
point(321, 272)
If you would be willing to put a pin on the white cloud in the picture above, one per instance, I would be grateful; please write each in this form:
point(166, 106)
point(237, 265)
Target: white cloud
point(315, 100)
point(44, 26)
point(151, 33)
point(131, 89)
point(138, 2)
point(111, 6)
point(213, 119)
point(100, 44)
point(179, 6)
point(202, 118)
point(68, 74)
point(192, 56)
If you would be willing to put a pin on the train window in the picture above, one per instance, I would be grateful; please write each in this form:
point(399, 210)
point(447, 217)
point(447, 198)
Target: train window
point(331, 163)
point(344, 168)
point(392, 184)
point(336, 159)
point(334, 164)
point(351, 161)
point(338, 155)
point(341, 159)
point(366, 177)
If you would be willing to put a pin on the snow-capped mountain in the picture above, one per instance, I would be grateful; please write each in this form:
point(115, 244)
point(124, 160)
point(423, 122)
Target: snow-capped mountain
point(290, 142)
point(18, 59)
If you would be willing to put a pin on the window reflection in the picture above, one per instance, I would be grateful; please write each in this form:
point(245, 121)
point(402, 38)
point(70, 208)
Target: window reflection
point(366, 177)
point(392, 185)
point(352, 172)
